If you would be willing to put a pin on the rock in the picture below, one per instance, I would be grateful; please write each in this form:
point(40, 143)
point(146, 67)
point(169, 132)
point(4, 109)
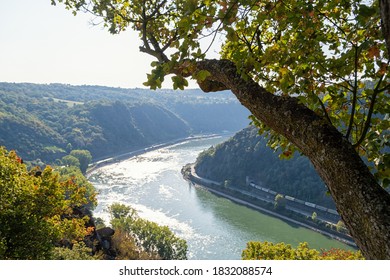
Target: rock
point(106, 245)
point(105, 232)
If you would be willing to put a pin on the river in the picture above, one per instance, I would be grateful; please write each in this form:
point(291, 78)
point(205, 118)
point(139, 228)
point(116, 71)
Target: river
point(214, 227)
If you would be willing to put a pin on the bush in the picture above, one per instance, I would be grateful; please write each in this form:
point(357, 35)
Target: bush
point(281, 251)
point(126, 248)
point(155, 240)
point(78, 252)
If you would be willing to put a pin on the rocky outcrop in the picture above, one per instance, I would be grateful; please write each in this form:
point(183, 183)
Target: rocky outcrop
point(99, 240)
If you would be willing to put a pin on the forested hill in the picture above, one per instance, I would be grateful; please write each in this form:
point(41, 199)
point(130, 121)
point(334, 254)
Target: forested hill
point(246, 154)
point(47, 121)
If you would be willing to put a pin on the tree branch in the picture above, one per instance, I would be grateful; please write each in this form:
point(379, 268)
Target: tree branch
point(219, 26)
point(354, 93)
point(157, 9)
point(324, 109)
point(147, 37)
point(369, 115)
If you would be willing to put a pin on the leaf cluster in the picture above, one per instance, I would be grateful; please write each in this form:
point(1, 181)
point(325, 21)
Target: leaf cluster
point(74, 174)
point(328, 54)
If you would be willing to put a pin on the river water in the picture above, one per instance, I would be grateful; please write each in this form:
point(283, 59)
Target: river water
point(214, 227)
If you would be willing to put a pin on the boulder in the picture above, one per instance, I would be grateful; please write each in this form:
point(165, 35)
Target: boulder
point(105, 232)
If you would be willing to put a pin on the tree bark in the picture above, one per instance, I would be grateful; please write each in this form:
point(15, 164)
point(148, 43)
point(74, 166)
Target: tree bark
point(385, 18)
point(362, 203)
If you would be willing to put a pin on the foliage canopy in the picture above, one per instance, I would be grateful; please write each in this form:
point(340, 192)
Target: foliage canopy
point(328, 54)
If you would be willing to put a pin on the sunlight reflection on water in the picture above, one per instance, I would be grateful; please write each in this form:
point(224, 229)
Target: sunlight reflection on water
point(214, 228)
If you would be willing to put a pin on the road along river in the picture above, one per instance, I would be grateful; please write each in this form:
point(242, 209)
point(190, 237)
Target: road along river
point(215, 228)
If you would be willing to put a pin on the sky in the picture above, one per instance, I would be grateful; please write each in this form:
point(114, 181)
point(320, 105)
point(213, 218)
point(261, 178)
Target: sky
point(41, 43)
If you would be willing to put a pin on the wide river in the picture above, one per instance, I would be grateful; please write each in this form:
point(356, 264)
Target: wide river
point(214, 227)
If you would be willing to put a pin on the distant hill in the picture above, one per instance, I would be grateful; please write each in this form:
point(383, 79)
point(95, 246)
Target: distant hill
point(47, 121)
point(246, 154)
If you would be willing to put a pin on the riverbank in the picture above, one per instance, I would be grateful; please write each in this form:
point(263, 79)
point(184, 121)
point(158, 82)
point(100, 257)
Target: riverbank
point(216, 188)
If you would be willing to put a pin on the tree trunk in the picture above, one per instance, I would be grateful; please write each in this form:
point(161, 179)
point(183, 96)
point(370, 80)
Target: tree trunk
point(385, 17)
point(362, 203)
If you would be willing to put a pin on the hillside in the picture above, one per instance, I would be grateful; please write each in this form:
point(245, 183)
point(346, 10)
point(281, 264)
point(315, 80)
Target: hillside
point(46, 121)
point(246, 154)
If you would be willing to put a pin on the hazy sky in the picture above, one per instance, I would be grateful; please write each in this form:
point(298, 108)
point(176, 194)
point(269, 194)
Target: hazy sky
point(41, 43)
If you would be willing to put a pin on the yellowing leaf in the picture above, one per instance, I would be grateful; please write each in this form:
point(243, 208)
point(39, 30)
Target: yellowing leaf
point(283, 71)
point(373, 52)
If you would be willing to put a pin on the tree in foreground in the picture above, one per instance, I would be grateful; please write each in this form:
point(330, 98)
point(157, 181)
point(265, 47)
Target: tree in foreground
point(314, 74)
point(36, 211)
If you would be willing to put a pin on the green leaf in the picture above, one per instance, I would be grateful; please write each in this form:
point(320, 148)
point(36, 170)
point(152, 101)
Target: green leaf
point(154, 63)
point(179, 82)
point(202, 75)
point(367, 11)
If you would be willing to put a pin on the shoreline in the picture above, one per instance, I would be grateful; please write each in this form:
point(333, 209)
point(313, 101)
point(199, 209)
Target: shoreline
point(195, 180)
